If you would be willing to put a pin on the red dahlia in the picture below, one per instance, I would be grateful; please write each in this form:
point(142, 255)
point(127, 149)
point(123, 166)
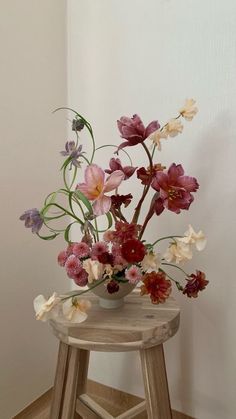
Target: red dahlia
point(133, 251)
point(156, 284)
point(195, 284)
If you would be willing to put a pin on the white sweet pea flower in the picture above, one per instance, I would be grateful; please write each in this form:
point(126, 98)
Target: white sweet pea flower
point(46, 309)
point(74, 310)
point(157, 136)
point(178, 252)
point(94, 269)
point(191, 237)
point(189, 110)
point(151, 261)
point(173, 127)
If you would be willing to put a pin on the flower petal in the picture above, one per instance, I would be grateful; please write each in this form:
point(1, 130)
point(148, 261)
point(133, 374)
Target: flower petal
point(113, 181)
point(189, 183)
point(94, 176)
point(102, 205)
point(152, 127)
point(87, 191)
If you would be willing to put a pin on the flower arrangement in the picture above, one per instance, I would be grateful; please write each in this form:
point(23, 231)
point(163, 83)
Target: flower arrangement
point(121, 255)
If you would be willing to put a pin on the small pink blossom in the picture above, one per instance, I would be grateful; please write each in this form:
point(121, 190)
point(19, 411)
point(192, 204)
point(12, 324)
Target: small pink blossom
point(81, 279)
point(108, 236)
point(95, 187)
point(133, 274)
point(118, 258)
point(62, 258)
point(73, 266)
point(98, 249)
point(81, 250)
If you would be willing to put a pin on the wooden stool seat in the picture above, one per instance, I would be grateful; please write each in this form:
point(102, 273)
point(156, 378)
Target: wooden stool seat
point(138, 325)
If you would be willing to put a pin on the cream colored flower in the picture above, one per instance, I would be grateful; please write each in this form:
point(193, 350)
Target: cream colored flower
point(191, 237)
point(173, 127)
point(178, 252)
point(74, 310)
point(151, 261)
point(46, 309)
point(157, 136)
point(94, 269)
point(108, 270)
point(188, 111)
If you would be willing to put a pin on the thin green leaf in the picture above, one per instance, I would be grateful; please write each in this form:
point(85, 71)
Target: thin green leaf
point(85, 201)
point(51, 237)
point(110, 221)
point(112, 145)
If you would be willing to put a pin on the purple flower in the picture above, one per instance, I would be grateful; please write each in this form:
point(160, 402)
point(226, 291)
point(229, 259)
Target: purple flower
point(133, 130)
point(115, 164)
point(32, 219)
point(174, 189)
point(72, 152)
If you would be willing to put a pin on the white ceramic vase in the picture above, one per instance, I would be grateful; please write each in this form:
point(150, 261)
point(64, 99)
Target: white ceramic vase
point(115, 299)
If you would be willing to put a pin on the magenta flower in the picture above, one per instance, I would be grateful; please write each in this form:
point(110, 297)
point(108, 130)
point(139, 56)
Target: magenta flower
point(32, 219)
point(133, 130)
point(73, 266)
point(115, 164)
point(81, 250)
point(62, 258)
point(98, 249)
point(133, 274)
point(81, 278)
point(96, 186)
point(175, 188)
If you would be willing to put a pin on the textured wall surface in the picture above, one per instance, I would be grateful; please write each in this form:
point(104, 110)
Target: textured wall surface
point(147, 57)
point(32, 84)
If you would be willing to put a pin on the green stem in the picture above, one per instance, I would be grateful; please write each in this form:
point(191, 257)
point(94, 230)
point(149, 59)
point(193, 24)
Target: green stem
point(178, 285)
point(75, 293)
point(63, 209)
point(174, 266)
point(96, 226)
point(164, 238)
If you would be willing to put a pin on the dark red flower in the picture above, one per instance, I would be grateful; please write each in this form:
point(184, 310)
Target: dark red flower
point(144, 174)
point(106, 258)
point(115, 164)
point(125, 231)
point(113, 287)
point(133, 251)
point(156, 284)
point(195, 284)
point(118, 200)
point(133, 130)
point(175, 188)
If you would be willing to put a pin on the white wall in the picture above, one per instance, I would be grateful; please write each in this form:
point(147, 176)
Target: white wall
point(147, 57)
point(32, 84)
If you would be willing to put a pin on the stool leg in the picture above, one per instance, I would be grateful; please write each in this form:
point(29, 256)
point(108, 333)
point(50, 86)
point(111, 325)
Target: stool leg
point(83, 371)
point(155, 383)
point(59, 382)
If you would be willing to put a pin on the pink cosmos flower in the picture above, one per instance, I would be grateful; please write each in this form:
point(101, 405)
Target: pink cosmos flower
point(133, 274)
point(73, 266)
point(81, 250)
point(133, 130)
point(96, 186)
point(175, 188)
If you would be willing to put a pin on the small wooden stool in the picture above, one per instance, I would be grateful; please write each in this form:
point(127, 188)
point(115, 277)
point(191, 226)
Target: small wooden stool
point(138, 325)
